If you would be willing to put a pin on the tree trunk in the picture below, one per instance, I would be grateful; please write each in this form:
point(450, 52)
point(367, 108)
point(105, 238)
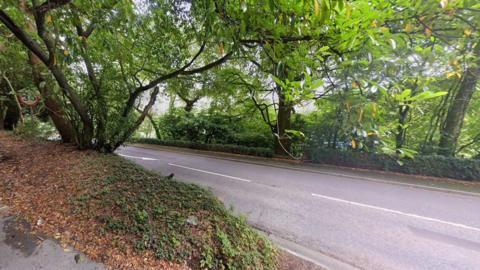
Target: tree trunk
point(13, 93)
point(282, 142)
point(189, 102)
point(456, 113)
point(401, 130)
point(155, 126)
point(52, 103)
point(85, 134)
point(3, 113)
point(188, 106)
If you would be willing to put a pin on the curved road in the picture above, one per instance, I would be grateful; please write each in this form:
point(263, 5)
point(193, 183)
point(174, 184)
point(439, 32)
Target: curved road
point(364, 224)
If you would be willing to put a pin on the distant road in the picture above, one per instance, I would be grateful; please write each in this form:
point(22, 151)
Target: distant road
point(366, 224)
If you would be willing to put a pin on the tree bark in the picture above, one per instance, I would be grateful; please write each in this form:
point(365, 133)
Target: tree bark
point(85, 138)
point(155, 126)
point(401, 130)
point(3, 113)
point(188, 106)
point(456, 113)
point(111, 147)
point(52, 103)
point(189, 103)
point(282, 144)
point(13, 93)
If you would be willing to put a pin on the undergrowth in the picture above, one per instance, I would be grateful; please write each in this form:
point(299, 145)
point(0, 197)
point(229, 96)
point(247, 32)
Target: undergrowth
point(175, 220)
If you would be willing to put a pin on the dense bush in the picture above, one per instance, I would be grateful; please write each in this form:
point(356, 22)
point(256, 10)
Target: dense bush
point(228, 148)
point(213, 128)
point(433, 165)
point(252, 139)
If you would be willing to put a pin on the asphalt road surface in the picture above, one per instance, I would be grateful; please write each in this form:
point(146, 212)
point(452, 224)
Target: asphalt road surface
point(365, 224)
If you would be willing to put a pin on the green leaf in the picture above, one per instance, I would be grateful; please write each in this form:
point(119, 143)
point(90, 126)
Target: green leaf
point(403, 95)
point(427, 95)
point(278, 81)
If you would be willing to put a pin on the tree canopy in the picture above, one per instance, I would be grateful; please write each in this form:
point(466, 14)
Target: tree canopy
point(398, 77)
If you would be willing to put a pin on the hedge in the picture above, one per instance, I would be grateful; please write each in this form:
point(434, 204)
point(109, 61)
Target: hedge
point(431, 165)
point(227, 148)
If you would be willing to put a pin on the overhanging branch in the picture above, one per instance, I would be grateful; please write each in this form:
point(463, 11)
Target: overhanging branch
point(31, 44)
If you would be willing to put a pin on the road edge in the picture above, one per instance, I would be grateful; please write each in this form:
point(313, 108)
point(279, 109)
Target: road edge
point(317, 258)
point(295, 167)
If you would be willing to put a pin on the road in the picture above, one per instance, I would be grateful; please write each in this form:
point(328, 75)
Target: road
point(365, 224)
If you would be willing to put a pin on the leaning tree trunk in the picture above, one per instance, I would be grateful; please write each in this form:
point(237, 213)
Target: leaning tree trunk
point(52, 103)
point(456, 113)
point(155, 126)
point(85, 134)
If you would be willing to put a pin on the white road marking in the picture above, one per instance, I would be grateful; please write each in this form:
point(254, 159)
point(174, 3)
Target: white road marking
point(214, 173)
point(142, 158)
point(305, 258)
point(458, 225)
point(317, 171)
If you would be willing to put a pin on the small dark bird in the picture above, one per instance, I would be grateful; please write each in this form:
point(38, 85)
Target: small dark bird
point(170, 176)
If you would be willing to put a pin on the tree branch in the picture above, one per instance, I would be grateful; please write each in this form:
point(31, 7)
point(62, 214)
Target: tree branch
point(136, 93)
point(51, 4)
point(182, 71)
point(146, 110)
point(282, 39)
point(208, 66)
point(47, 60)
point(31, 44)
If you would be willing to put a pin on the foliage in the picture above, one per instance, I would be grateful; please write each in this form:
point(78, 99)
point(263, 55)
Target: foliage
point(402, 71)
point(35, 129)
point(94, 64)
point(212, 128)
point(175, 220)
point(228, 148)
point(432, 165)
point(122, 215)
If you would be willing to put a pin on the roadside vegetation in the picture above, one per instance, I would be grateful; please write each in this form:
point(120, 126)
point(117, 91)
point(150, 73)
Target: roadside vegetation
point(381, 77)
point(228, 148)
point(122, 214)
point(176, 221)
point(390, 85)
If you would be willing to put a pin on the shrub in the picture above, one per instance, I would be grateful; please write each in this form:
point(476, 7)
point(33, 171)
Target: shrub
point(32, 129)
point(432, 165)
point(213, 128)
point(253, 140)
point(228, 148)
